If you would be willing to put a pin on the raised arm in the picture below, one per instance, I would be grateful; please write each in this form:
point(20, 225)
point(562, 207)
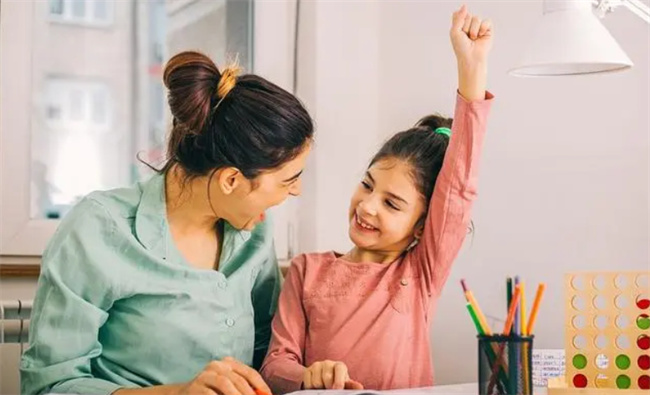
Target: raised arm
point(449, 211)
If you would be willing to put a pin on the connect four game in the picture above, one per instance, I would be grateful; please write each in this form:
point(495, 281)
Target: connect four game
point(607, 334)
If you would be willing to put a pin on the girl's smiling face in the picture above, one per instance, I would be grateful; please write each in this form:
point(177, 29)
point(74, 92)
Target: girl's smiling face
point(386, 208)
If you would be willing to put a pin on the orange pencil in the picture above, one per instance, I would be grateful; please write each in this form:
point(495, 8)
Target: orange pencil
point(522, 303)
point(536, 303)
point(511, 314)
point(260, 392)
point(506, 331)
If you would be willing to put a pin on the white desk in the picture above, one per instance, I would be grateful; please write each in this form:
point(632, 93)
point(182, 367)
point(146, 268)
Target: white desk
point(455, 389)
point(464, 389)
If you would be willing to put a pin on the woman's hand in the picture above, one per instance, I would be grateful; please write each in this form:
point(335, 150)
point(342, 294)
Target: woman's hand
point(225, 377)
point(329, 375)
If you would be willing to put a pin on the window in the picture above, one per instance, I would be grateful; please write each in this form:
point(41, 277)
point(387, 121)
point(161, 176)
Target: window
point(69, 149)
point(82, 103)
point(100, 11)
point(74, 103)
point(56, 7)
point(87, 12)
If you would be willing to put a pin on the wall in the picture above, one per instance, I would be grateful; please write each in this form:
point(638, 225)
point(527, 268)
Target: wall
point(564, 178)
point(340, 83)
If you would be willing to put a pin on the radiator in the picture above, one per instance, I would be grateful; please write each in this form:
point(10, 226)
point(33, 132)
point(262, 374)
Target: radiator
point(14, 321)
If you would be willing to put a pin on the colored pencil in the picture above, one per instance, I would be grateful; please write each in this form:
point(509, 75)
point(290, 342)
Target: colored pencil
point(477, 309)
point(533, 312)
point(507, 328)
point(522, 303)
point(509, 293)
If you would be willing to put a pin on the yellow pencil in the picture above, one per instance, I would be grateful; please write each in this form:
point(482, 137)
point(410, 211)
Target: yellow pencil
point(479, 313)
point(536, 303)
point(524, 332)
point(525, 361)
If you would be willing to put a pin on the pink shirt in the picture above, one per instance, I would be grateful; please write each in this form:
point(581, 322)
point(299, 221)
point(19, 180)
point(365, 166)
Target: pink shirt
point(375, 317)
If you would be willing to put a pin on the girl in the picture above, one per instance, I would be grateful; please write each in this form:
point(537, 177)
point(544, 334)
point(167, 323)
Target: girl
point(149, 289)
point(362, 319)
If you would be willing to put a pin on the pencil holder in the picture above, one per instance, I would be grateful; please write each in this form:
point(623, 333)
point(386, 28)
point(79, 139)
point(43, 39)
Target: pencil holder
point(505, 365)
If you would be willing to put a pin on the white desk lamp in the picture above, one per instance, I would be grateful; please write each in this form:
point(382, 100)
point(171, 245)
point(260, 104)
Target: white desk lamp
point(570, 39)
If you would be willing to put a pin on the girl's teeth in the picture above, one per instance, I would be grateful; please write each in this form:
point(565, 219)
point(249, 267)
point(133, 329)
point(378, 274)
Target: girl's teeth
point(364, 225)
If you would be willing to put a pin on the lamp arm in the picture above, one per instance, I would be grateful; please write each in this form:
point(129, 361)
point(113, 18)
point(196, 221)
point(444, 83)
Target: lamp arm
point(604, 7)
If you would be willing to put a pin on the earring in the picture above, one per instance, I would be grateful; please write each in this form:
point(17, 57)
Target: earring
point(413, 244)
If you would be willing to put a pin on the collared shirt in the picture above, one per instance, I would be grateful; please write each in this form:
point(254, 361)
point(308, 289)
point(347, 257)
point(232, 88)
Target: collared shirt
point(118, 305)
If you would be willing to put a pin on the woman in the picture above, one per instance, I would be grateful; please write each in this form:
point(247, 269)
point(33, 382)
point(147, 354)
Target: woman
point(169, 287)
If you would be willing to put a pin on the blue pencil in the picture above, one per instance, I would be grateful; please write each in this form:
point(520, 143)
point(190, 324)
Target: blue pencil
point(517, 330)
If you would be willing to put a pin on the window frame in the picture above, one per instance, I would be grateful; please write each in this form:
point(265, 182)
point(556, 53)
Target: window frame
point(88, 19)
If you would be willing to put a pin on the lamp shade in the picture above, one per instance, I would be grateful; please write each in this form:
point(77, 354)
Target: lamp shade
point(570, 40)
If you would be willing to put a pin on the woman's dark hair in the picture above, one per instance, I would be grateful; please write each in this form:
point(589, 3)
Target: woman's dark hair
point(422, 148)
point(222, 120)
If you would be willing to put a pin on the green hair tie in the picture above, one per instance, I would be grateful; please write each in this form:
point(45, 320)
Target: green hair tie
point(445, 131)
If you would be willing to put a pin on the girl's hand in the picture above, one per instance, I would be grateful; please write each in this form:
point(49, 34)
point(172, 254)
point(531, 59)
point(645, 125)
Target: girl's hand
point(471, 37)
point(329, 375)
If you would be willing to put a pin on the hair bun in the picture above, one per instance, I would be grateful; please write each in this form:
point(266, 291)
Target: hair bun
point(434, 122)
point(191, 78)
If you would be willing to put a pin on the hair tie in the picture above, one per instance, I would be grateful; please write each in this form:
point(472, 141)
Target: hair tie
point(227, 81)
point(445, 131)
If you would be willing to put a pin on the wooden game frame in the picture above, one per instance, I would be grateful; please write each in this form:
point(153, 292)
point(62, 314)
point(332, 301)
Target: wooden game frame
point(602, 286)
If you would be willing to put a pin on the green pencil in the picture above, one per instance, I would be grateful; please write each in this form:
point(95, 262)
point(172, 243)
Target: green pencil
point(491, 354)
point(472, 314)
point(509, 290)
